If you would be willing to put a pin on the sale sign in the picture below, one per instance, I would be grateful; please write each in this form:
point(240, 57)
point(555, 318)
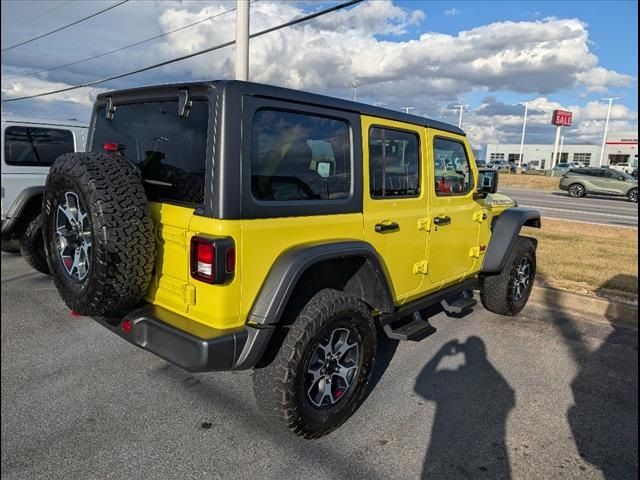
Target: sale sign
point(561, 118)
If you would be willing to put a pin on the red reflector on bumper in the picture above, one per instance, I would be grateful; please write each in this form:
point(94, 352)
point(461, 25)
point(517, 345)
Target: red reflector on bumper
point(126, 325)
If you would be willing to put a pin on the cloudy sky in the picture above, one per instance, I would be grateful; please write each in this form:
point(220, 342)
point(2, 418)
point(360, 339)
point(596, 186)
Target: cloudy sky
point(427, 55)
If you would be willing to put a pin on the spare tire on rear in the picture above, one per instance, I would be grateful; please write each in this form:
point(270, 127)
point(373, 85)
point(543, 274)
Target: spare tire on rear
point(98, 233)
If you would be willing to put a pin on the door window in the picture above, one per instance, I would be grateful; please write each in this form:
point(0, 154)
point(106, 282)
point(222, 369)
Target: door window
point(34, 146)
point(394, 163)
point(452, 173)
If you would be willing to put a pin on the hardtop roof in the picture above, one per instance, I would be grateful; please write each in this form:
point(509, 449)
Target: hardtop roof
point(270, 91)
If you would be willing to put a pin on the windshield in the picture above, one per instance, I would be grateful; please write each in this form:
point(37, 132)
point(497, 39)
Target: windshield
point(170, 150)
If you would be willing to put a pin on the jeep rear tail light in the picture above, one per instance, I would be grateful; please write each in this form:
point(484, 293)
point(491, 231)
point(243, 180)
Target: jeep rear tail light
point(213, 259)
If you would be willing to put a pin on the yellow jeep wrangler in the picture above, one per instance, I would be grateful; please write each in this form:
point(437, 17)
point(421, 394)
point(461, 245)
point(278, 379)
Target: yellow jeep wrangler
point(229, 225)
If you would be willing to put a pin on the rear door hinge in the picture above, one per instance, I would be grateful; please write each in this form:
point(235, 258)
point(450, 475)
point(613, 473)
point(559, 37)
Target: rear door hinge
point(424, 223)
point(420, 268)
point(189, 294)
point(479, 216)
point(474, 252)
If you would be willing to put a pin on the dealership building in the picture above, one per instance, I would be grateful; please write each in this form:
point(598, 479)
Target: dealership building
point(621, 147)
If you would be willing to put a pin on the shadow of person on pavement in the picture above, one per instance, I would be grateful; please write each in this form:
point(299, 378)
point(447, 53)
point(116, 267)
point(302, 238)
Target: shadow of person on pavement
point(604, 414)
point(473, 402)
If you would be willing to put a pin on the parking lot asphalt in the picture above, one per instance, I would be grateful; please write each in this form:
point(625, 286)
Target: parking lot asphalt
point(539, 396)
point(617, 211)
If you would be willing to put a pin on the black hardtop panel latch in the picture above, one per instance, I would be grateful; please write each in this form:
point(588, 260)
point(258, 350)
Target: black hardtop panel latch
point(110, 109)
point(184, 103)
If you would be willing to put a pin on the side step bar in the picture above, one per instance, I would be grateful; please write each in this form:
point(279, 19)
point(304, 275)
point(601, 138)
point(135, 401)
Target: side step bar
point(461, 305)
point(416, 329)
point(407, 323)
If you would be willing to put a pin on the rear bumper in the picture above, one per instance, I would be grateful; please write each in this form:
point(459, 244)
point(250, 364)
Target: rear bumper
point(232, 349)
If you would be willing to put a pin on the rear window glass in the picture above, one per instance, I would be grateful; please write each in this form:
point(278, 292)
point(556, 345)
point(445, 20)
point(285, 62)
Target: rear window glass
point(171, 151)
point(35, 146)
point(299, 157)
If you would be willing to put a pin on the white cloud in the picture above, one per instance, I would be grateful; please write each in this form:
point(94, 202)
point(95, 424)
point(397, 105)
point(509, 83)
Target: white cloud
point(325, 55)
point(599, 79)
point(35, 86)
point(453, 11)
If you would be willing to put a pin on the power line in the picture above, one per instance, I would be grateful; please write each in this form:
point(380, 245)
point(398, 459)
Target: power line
point(191, 55)
point(122, 48)
point(42, 14)
point(65, 26)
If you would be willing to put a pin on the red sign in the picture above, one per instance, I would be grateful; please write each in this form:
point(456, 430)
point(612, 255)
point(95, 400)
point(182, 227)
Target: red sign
point(561, 118)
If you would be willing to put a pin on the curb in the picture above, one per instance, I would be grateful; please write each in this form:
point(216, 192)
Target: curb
point(576, 303)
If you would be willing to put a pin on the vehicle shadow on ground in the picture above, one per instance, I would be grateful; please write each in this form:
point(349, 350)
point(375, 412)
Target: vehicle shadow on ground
point(473, 401)
point(604, 416)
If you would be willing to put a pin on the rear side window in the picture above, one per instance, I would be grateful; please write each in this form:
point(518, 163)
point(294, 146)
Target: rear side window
point(36, 146)
point(394, 163)
point(171, 151)
point(299, 157)
point(452, 171)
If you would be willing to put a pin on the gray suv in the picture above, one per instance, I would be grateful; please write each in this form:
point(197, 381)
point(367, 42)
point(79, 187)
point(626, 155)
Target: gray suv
point(599, 181)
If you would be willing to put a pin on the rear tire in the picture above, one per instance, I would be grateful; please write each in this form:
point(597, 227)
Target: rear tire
point(32, 246)
point(507, 293)
point(633, 195)
point(98, 233)
point(293, 387)
point(577, 190)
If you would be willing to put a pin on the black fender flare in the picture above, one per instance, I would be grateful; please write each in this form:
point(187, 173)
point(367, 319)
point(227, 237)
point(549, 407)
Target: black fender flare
point(17, 208)
point(292, 264)
point(504, 232)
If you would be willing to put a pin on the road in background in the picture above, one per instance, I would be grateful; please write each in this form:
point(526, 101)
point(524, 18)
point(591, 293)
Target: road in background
point(616, 211)
point(538, 396)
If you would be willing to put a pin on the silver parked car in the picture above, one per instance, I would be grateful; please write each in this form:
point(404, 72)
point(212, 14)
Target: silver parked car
point(599, 181)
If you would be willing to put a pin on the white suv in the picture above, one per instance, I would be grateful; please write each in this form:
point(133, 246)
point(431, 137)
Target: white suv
point(622, 167)
point(29, 146)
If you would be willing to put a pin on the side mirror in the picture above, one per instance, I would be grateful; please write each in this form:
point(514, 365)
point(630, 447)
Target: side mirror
point(487, 181)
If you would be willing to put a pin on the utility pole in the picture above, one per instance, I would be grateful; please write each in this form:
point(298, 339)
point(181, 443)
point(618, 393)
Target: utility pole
point(406, 109)
point(554, 158)
point(461, 107)
point(242, 40)
point(606, 127)
point(524, 125)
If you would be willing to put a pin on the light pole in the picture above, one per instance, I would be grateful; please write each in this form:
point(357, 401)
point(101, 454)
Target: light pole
point(355, 90)
point(461, 107)
point(524, 125)
point(606, 127)
point(242, 40)
point(406, 109)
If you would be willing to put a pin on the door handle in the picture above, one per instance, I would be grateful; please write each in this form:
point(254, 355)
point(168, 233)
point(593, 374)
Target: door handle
point(442, 220)
point(387, 227)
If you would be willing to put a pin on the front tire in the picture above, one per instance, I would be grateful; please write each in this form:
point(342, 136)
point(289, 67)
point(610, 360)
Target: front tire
point(633, 195)
point(577, 190)
point(507, 293)
point(319, 376)
point(32, 246)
